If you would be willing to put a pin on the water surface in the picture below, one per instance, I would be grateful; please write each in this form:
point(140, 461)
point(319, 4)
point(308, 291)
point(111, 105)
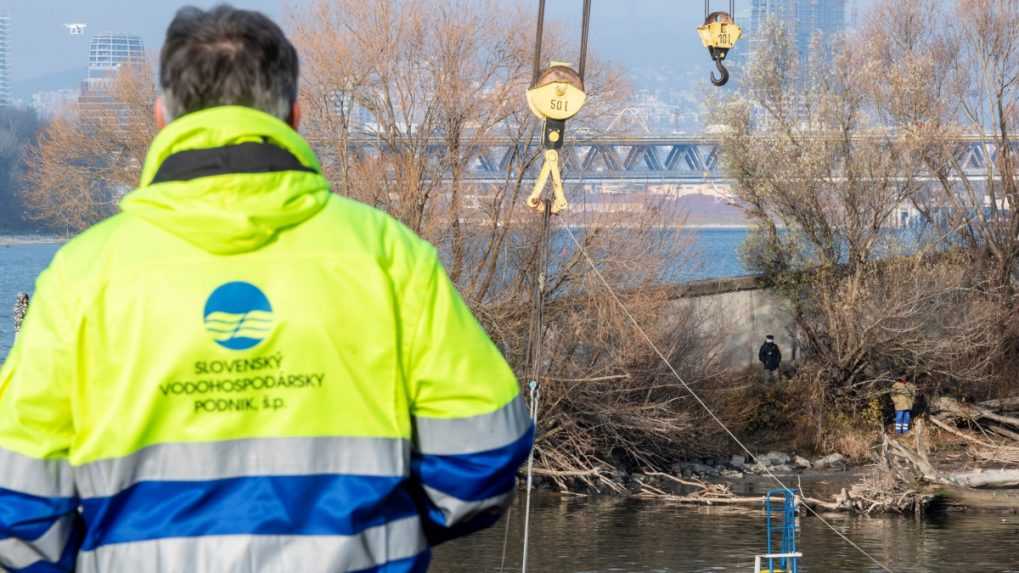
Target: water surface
point(714, 254)
point(607, 535)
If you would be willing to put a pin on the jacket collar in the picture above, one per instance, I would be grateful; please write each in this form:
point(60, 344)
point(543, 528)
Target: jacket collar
point(214, 140)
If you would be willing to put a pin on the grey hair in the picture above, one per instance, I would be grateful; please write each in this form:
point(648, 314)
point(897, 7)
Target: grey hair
point(227, 56)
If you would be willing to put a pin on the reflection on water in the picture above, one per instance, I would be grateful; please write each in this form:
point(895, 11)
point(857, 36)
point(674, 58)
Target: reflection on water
point(588, 535)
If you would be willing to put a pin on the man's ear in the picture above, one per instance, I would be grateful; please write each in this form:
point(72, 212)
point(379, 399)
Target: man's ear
point(159, 112)
point(295, 116)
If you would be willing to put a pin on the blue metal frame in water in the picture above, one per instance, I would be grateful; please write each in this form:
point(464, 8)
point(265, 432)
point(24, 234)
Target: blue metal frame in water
point(788, 530)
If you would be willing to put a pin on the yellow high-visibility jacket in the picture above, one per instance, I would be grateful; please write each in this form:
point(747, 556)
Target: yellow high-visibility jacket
point(903, 395)
point(244, 372)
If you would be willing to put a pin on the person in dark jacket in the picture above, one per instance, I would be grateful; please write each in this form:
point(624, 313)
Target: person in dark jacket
point(770, 357)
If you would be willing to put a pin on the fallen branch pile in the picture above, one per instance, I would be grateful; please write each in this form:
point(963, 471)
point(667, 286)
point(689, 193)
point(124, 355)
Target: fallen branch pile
point(998, 441)
point(872, 495)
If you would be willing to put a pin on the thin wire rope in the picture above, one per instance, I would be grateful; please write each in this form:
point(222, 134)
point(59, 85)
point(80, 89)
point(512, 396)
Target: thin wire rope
point(505, 539)
point(703, 404)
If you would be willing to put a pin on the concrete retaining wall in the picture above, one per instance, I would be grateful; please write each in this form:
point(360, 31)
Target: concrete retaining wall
point(734, 315)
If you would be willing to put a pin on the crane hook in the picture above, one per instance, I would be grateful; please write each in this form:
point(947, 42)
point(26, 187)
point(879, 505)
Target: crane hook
point(721, 69)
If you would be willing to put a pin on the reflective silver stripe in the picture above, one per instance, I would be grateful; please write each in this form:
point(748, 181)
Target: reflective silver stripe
point(203, 461)
point(396, 540)
point(441, 436)
point(18, 554)
point(43, 478)
point(456, 510)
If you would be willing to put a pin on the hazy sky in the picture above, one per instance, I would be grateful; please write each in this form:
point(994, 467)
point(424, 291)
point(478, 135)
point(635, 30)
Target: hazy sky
point(628, 32)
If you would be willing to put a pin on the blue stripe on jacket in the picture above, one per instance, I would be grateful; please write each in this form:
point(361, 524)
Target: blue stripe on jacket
point(28, 517)
point(269, 505)
point(417, 564)
point(468, 477)
point(67, 558)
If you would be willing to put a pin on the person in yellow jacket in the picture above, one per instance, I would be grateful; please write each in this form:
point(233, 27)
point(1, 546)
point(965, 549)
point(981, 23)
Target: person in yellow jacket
point(903, 395)
point(242, 372)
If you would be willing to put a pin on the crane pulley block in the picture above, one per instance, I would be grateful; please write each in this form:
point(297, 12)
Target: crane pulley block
point(719, 31)
point(558, 93)
point(556, 96)
point(719, 34)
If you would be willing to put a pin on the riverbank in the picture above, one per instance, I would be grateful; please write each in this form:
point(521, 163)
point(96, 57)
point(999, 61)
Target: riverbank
point(827, 484)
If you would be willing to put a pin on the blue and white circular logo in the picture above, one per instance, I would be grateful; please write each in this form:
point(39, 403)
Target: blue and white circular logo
point(238, 316)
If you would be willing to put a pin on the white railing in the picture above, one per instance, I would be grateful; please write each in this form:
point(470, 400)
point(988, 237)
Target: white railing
point(757, 560)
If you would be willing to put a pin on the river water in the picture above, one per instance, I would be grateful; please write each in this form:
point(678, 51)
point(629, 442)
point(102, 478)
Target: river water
point(589, 535)
point(603, 535)
point(714, 253)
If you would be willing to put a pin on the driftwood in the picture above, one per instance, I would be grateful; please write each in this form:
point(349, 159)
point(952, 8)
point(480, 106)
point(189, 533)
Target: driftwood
point(972, 412)
point(1003, 405)
point(954, 485)
point(865, 497)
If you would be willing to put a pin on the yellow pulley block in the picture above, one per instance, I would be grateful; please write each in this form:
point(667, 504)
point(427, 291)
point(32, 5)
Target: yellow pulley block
point(719, 34)
point(720, 31)
point(557, 96)
point(558, 93)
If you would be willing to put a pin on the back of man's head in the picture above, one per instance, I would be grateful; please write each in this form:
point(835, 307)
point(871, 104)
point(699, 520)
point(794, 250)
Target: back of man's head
point(226, 56)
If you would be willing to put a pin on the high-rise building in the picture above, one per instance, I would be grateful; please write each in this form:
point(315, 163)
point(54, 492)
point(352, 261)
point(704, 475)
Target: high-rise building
point(108, 52)
point(5, 78)
point(803, 20)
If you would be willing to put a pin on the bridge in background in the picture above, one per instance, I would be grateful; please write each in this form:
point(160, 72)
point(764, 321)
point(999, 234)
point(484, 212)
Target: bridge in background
point(669, 159)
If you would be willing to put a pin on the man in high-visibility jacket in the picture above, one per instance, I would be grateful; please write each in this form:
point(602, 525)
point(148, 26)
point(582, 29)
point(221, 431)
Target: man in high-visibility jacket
point(242, 371)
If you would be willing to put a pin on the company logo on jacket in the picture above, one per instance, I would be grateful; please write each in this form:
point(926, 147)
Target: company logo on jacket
point(238, 316)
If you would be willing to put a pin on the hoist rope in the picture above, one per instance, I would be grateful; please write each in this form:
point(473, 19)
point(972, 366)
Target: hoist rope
point(700, 401)
point(535, 339)
point(535, 397)
point(505, 539)
point(585, 29)
point(537, 42)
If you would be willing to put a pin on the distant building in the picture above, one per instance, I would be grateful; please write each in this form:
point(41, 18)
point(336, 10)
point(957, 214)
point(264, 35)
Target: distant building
point(108, 52)
point(49, 104)
point(5, 78)
point(803, 20)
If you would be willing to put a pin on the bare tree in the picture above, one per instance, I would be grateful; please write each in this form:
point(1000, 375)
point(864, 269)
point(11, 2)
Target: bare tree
point(823, 173)
point(956, 76)
point(86, 159)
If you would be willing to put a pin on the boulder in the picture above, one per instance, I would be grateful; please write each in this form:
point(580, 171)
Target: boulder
point(774, 459)
point(691, 469)
point(801, 462)
point(732, 474)
point(834, 461)
point(738, 461)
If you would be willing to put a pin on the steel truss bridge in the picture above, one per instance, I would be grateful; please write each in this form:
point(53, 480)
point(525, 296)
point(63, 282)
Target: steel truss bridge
point(677, 159)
